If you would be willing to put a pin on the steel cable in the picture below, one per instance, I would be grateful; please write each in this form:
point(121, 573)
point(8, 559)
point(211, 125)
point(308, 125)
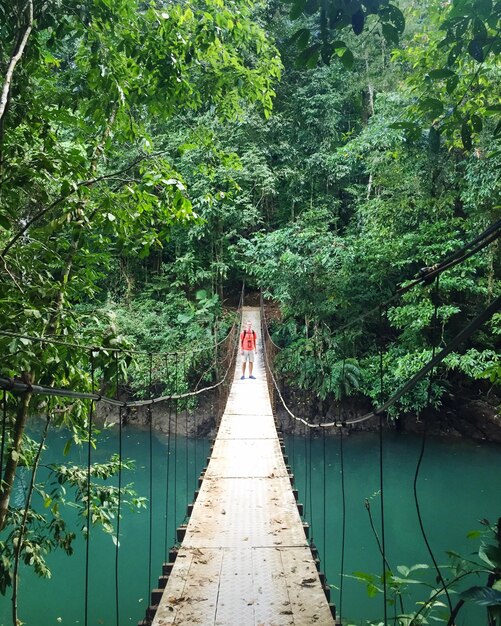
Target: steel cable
point(176, 415)
point(343, 522)
point(343, 490)
point(324, 502)
point(422, 452)
point(464, 334)
point(119, 495)
point(167, 467)
point(150, 468)
point(89, 460)
point(310, 481)
point(186, 450)
point(381, 470)
point(4, 431)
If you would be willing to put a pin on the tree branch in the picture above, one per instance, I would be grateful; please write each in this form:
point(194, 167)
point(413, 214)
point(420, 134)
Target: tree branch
point(14, 60)
point(85, 183)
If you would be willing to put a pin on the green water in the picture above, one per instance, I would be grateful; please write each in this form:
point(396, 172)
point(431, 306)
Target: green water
point(458, 485)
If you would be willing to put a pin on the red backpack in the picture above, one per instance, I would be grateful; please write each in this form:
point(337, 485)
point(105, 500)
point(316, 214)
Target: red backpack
point(249, 341)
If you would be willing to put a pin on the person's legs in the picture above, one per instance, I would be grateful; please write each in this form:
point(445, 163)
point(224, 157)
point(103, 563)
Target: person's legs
point(245, 358)
point(251, 363)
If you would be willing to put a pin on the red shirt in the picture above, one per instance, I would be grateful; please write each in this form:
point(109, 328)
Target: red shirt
point(248, 339)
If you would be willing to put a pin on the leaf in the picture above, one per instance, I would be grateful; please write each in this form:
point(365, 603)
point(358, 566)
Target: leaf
point(67, 447)
point(431, 105)
point(493, 109)
point(357, 22)
point(466, 136)
point(4, 222)
point(301, 38)
point(309, 56)
point(475, 50)
point(412, 130)
point(485, 596)
point(390, 33)
point(483, 8)
point(441, 73)
point(479, 30)
point(397, 17)
point(184, 318)
point(416, 566)
point(372, 590)
point(311, 7)
point(490, 554)
point(452, 83)
point(454, 53)
point(347, 59)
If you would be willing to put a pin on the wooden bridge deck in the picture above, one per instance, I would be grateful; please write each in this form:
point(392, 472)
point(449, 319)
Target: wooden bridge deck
point(245, 560)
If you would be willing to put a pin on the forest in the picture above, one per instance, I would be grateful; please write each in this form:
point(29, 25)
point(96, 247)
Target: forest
point(155, 156)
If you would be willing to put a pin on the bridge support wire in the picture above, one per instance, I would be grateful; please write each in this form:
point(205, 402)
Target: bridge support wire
point(89, 462)
point(119, 495)
point(382, 315)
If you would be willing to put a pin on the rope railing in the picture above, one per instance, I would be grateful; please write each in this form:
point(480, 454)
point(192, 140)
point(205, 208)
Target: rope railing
point(218, 363)
point(17, 385)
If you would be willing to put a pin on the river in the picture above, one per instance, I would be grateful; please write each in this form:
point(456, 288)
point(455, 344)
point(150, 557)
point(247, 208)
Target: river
point(458, 485)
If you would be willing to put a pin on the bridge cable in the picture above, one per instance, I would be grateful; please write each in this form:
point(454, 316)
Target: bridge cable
point(89, 460)
point(428, 273)
point(186, 448)
point(4, 435)
point(343, 490)
point(167, 465)
point(464, 334)
point(343, 522)
point(17, 385)
point(150, 468)
point(306, 494)
point(310, 481)
point(119, 512)
point(324, 502)
point(381, 467)
point(422, 451)
point(196, 421)
point(176, 415)
point(105, 349)
point(27, 506)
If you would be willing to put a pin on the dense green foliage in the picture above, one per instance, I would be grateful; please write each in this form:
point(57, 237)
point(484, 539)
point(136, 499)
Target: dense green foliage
point(143, 175)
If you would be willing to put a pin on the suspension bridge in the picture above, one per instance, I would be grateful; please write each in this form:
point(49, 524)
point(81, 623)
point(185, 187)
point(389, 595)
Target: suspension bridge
point(245, 557)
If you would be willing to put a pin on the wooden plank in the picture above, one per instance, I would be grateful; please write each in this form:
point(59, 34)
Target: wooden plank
point(245, 560)
point(191, 594)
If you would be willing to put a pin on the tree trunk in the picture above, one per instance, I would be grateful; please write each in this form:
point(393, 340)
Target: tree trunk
point(15, 58)
point(13, 455)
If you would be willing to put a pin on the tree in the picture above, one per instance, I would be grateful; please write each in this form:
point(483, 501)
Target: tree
point(82, 181)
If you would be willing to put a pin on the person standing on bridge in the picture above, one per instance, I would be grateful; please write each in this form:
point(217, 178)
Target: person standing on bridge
point(248, 342)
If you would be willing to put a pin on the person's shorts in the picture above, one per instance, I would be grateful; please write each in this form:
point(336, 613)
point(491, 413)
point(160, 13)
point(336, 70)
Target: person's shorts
point(248, 356)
